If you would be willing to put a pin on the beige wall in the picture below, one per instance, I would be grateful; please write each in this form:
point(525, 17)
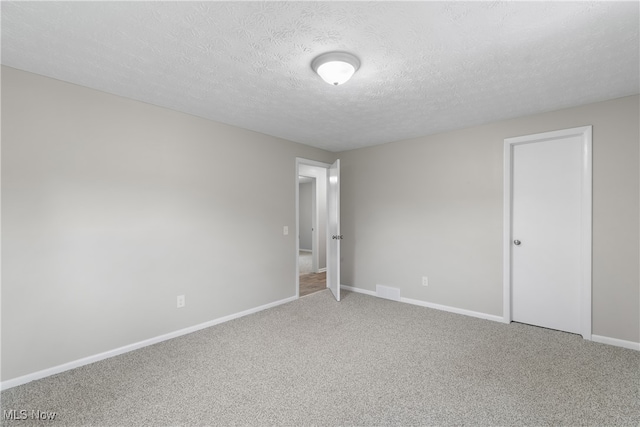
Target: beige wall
point(111, 208)
point(433, 206)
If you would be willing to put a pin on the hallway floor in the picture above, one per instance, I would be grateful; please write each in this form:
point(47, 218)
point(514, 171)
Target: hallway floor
point(313, 282)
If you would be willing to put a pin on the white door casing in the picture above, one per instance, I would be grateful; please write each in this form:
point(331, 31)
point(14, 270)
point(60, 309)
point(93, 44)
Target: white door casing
point(547, 209)
point(331, 176)
point(333, 229)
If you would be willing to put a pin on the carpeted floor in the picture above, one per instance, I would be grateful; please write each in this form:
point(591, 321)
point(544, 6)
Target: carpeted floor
point(362, 361)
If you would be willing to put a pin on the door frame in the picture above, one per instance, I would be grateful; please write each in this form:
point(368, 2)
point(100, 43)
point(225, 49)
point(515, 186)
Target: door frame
point(585, 133)
point(326, 166)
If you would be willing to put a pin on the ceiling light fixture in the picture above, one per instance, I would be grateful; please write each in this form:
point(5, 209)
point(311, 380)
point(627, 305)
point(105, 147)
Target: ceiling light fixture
point(335, 68)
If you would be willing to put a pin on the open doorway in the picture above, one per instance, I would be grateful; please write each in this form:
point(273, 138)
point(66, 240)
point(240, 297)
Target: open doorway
point(307, 261)
point(312, 275)
point(312, 226)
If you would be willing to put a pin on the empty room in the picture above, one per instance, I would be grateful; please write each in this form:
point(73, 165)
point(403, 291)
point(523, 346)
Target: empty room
point(463, 179)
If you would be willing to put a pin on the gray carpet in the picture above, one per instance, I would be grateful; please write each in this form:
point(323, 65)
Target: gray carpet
point(363, 361)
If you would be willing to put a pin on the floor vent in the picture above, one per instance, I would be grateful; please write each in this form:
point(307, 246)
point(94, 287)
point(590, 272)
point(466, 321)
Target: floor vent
point(387, 292)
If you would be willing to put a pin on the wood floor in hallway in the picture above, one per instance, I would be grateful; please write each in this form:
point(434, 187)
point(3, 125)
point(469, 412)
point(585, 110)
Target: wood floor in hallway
point(313, 282)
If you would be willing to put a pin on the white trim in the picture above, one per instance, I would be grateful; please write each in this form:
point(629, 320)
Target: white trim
point(507, 195)
point(431, 305)
point(305, 250)
point(616, 342)
point(308, 162)
point(453, 309)
point(322, 270)
point(587, 232)
point(135, 346)
point(586, 225)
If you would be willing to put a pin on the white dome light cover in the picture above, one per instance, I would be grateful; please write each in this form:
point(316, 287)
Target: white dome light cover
point(335, 68)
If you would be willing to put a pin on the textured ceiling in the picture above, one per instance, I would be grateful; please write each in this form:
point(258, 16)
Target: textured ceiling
point(427, 67)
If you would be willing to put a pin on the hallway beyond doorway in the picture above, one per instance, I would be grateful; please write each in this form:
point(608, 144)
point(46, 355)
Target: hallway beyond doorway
point(310, 281)
point(313, 282)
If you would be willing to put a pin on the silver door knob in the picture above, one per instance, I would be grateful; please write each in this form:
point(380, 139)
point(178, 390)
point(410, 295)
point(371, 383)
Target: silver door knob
point(517, 242)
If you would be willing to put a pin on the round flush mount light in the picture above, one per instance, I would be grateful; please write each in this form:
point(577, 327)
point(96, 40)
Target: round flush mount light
point(335, 68)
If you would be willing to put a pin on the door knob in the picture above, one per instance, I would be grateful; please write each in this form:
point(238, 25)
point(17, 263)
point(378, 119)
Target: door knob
point(517, 242)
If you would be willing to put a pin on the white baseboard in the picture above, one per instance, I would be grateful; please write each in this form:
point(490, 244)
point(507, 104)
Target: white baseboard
point(305, 250)
point(432, 305)
point(322, 270)
point(455, 310)
point(135, 346)
point(614, 341)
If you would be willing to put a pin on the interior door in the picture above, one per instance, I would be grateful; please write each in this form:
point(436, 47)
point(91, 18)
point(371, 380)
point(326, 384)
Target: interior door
point(546, 233)
point(333, 229)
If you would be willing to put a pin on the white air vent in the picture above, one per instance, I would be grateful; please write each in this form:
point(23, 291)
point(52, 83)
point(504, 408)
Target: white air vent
point(387, 292)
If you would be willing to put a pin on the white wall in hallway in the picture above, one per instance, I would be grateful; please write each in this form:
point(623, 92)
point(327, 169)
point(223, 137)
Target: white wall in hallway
point(305, 199)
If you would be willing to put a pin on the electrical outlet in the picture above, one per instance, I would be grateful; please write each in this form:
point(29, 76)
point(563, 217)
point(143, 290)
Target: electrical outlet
point(181, 301)
point(285, 230)
point(425, 281)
